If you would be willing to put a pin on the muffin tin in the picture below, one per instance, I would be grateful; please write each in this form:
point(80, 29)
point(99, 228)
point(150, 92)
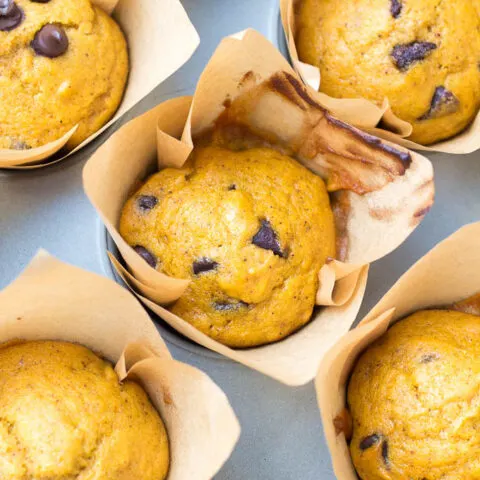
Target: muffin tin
point(281, 429)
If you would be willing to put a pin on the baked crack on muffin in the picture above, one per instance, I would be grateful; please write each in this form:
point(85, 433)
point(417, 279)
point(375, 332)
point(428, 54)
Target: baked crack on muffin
point(250, 228)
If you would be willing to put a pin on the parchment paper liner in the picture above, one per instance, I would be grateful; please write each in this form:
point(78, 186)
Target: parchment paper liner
point(365, 114)
point(242, 71)
point(51, 300)
point(160, 40)
point(447, 274)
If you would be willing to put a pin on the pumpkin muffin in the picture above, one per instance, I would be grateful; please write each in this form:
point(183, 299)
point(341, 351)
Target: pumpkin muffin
point(64, 415)
point(414, 397)
point(420, 54)
point(62, 63)
point(250, 228)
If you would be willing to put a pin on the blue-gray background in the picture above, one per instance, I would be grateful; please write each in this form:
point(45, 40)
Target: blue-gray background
point(282, 436)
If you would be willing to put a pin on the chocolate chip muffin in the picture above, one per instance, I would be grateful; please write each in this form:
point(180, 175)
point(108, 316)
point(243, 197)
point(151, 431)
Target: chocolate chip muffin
point(415, 403)
point(64, 415)
point(422, 55)
point(250, 228)
point(62, 63)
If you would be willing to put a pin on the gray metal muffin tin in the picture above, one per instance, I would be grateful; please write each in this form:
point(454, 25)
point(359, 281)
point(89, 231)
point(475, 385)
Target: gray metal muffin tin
point(282, 436)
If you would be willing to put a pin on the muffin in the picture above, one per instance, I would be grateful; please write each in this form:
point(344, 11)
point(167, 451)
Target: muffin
point(251, 229)
point(413, 398)
point(64, 415)
point(420, 54)
point(62, 63)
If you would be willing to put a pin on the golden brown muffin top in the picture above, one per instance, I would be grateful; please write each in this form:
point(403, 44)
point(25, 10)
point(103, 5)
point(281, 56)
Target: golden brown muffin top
point(64, 63)
point(64, 415)
point(251, 229)
point(414, 397)
point(420, 54)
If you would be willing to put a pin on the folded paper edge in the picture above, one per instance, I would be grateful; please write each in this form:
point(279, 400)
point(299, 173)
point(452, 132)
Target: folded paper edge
point(339, 361)
point(462, 143)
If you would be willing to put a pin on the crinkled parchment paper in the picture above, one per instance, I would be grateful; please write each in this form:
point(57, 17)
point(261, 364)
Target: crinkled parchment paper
point(380, 192)
point(448, 276)
point(365, 114)
point(51, 300)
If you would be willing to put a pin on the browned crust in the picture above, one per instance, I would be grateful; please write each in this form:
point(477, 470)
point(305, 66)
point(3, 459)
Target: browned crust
point(343, 424)
point(341, 208)
point(290, 87)
point(282, 82)
point(470, 305)
point(374, 142)
point(421, 212)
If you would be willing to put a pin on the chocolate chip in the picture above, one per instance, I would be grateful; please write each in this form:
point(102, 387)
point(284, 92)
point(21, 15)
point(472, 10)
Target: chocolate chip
point(6, 7)
point(443, 103)
point(232, 187)
point(148, 256)
point(146, 202)
point(229, 306)
point(19, 145)
point(406, 54)
point(203, 265)
point(429, 357)
point(266, 238)
point(40, 1)
point(369, 441)
point(50, 41)
point(11, 15)
point(385, 452)
point(396, 8)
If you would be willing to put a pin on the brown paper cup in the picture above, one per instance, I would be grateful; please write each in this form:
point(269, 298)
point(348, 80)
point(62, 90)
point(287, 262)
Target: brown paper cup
point(248, 83)
point(51, 300)
point(160, 40)
point(447, 275)
point(365, 114)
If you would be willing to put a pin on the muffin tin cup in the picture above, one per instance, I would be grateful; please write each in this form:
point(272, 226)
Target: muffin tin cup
point(160, 40)
point(51, 300)
point(449, 274)
point(247, 74)
point(365, 114)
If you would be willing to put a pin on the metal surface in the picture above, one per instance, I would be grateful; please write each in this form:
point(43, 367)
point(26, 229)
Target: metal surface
point(281, 431)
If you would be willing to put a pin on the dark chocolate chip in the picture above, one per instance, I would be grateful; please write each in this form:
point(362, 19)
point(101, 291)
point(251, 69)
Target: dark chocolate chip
point(146, 202)
point(396, 8)
point(232, 187)
point(429, 357)
point(40, 1)
point(385, 452)
point(229, 306)
point(406, 54)
point(148, 256)
point(50, 41)
point(444, 102)
point(19, 145)
point(203, 265)
point(369, 441)
point(11, 15)
point(266, 238)
point(6, 7)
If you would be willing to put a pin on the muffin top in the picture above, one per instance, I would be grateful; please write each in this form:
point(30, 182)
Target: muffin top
point(420, 54)
point(62, 63)
point(64, 415)
point(414, 397)
point(251, 229)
